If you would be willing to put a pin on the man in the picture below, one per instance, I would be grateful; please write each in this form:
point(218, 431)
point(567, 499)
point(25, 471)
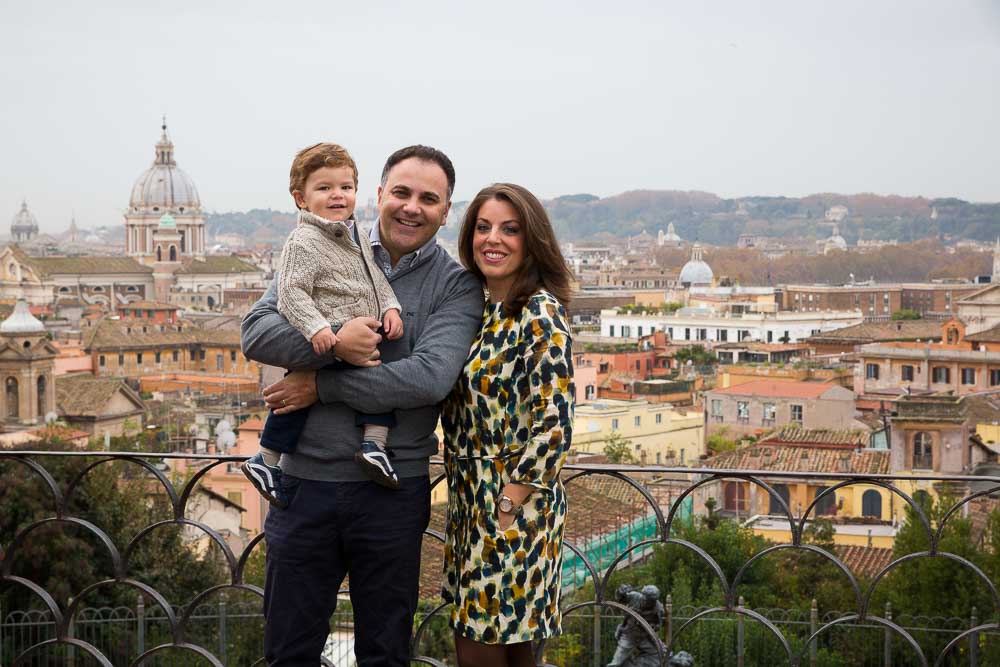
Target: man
point(338, 522)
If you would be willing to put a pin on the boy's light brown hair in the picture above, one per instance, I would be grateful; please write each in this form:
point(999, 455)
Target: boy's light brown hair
point(314, 157)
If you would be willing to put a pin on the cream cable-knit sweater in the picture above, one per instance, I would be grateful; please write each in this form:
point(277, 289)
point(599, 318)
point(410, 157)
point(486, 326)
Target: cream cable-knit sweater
point(326, 279)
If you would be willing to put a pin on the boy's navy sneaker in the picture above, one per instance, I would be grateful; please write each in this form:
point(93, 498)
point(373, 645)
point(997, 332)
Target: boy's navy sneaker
point(375, 462)
point(266, 479)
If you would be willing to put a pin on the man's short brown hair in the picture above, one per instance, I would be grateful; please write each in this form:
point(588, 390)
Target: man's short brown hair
point(317, 156)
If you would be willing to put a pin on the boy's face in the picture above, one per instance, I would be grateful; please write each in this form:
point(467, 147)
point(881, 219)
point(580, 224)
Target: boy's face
point(329, 193)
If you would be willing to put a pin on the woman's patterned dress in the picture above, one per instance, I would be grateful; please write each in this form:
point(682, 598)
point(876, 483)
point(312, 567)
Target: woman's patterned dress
point(509, 418)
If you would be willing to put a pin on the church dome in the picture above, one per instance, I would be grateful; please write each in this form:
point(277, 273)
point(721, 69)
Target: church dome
point(671, 235)
point(696, 271)
point(836, 241)
point(24, 225)
point(21, 321)
point(164, 185)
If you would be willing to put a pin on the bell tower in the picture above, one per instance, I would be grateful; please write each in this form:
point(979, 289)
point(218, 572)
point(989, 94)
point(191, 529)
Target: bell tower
point(27, 363)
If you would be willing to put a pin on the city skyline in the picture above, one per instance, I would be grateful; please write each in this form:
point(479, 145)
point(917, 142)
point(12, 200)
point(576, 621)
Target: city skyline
point(779, 100)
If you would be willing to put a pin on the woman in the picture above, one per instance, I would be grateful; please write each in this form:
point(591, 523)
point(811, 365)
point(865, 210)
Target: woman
point(508, 426)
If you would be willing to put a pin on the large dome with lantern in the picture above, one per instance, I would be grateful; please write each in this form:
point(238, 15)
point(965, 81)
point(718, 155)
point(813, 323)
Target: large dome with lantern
point(164, 186)
point(696, 271)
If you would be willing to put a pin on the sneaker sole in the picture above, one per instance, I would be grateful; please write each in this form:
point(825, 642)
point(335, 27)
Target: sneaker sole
point(249, 474)
point(375, 473)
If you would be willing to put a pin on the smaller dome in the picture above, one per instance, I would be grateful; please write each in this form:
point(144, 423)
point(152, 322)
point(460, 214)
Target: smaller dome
point(21, 321)
point(671, 234)
point(167, 221)
point(24, 221)
point(696, 271)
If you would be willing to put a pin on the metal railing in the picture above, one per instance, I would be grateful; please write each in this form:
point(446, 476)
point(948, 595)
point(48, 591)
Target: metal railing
point(177, 630)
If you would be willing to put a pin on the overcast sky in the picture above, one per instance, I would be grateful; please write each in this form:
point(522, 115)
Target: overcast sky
point(736, 98)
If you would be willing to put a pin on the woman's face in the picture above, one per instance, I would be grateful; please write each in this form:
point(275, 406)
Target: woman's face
point(498, 246)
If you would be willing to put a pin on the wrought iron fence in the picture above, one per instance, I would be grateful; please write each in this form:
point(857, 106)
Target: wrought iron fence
point(727, 633)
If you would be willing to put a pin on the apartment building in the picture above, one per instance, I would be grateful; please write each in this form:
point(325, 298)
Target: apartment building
point(659, 433)
point(752, 408)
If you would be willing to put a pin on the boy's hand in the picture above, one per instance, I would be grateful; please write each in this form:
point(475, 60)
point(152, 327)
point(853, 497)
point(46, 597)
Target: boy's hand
point(357, 341)
point(324, 340)
point(393, 324)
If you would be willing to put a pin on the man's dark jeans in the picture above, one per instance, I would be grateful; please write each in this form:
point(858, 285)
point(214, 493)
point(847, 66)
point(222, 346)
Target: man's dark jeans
point(333, 529)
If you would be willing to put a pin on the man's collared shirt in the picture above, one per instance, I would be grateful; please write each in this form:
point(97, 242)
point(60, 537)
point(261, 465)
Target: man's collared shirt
point(382, 255)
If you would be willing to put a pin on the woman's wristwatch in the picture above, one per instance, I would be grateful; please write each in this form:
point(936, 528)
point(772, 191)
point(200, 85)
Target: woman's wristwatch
point(508, 506)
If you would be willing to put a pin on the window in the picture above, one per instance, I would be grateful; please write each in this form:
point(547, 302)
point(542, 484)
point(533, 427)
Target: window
point(968, 376)
point(717, 410)
point(203, 355)
point(611, 330)
point(659, 418)
point(194, 355)
point(871, 371)
point(100, 360)
point(941, 374)
point(589, 392)
point(614, 424)
point(770, 412)
point(827, 505)
point(871, 504)
point(626, 331)
point(157, 357)
point(638, 421)
point(121, 359)
point(923, 452)
point(639, 330)
point(743, 412)
point(687, 334)
point(907, 373)
point(232, 356)
point(218, 362)
point(994, 377)
point(670, 332)
point(175, 355)
point(797, 413)
point(138, 357)
point(723, 335)
point(770, 336)
point(638, 365)
point(702, 334)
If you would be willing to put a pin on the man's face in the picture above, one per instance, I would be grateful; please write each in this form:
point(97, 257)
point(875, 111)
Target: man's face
point(412, 206)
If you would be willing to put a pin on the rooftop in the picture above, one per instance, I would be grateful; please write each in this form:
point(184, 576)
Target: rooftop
point(796, 458)
point(778, 389)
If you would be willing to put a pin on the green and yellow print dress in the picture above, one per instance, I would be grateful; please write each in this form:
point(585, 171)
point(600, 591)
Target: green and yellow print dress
point(509, 418)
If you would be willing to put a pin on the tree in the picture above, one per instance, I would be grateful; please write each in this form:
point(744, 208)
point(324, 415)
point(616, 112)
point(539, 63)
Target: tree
point(619, 449)
point(906, 314)
point(718, 442)
point(121, 500)
point(696, 354)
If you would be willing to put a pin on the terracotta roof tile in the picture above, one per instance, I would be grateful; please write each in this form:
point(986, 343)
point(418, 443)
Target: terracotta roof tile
point(217, 264)
point(776, 389)
point(121, 334)
point(83, 395)
point(988, 336)
point(794, 458)
point(793, 435)
point(861, 560)
point(868, 332)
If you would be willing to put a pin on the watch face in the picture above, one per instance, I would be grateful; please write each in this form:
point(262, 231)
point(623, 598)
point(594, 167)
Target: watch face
point(506, 504)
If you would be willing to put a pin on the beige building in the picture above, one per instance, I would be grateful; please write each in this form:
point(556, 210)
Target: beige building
point(99, 406)
point(659, 433)
point(753, 408)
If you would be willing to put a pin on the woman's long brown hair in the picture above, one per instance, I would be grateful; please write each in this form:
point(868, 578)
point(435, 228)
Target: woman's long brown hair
point(543, 266)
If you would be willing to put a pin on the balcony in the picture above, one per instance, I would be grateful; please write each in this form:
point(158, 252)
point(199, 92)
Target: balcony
point(627, 525)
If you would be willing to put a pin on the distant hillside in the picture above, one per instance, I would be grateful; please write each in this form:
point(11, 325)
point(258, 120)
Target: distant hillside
point(708, 218)
point(256, 225)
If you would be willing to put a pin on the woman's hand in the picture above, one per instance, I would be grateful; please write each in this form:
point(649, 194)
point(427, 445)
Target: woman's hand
point(504, 520)
point(295, 391)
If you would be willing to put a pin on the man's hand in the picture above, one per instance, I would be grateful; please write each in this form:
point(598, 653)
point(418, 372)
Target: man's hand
point(357, 342)
point(393, 324)
point(295, 391)
point(324, 340)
